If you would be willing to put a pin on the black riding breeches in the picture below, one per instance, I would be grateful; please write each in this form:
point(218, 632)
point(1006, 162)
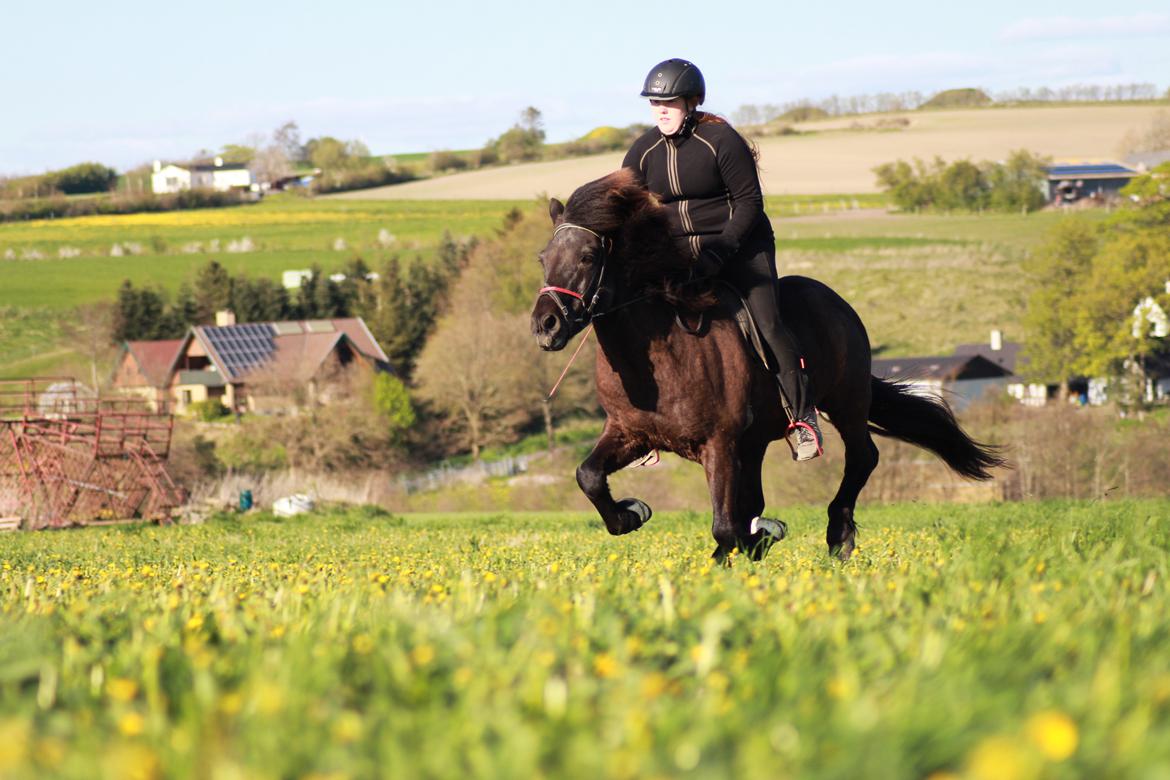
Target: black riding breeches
point(753, 273)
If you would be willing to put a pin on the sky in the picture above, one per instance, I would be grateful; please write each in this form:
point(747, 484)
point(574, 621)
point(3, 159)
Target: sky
point(124, 82)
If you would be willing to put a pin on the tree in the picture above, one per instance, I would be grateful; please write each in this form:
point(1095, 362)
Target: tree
point(287, 138)
point(140, 315)
point(89, 332)
point(82, 179)
point(392, 400)
point(523, 141)
point(1058, 270)
point(213, 292)
point(468, 371)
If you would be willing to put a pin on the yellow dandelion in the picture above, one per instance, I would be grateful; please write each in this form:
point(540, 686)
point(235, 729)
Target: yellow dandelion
point(1000, 758)
point(1054, 733)
point(363, 644)
point(422, 655)
point(605, 665)
point(654, 685)
point(122, 689)
point(131, 724)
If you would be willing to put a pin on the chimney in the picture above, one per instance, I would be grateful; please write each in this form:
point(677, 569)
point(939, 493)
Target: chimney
point(996, 340)
point(225, 318)
point(157, 166)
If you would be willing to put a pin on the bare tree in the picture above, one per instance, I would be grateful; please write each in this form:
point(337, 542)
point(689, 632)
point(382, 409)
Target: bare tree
point(89, 331)
point(469, 370)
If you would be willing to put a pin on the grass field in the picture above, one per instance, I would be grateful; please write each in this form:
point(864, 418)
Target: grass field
point(959, 273)
point(835, 156)
point(49, 267)
point(1018, 641)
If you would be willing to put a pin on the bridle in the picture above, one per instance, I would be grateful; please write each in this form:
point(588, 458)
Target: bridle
point(588, 310)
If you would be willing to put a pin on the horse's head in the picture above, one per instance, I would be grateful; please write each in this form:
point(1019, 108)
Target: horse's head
point(610, 241)
point(574, 263)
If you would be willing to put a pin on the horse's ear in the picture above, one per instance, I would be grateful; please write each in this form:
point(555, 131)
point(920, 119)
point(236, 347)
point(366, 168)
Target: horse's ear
point(555, 209)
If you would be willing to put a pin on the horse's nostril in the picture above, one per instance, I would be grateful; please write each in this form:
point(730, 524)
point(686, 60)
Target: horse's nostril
point(549, 324)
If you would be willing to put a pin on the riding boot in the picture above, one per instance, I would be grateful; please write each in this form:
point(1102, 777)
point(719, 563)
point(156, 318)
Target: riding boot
point(803, 433)
point(753, 272)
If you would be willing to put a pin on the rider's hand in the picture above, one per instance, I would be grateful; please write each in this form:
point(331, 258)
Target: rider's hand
point(708, 264)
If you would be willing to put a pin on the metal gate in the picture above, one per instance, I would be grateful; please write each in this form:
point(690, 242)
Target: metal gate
point(70, 457)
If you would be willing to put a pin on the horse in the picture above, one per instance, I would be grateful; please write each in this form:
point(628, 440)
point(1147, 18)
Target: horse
point(696, 390)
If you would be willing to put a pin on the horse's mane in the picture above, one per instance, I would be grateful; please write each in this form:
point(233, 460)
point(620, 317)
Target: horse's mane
point(620, 206)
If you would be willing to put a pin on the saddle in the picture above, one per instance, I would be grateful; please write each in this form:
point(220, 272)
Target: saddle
point(731, 300)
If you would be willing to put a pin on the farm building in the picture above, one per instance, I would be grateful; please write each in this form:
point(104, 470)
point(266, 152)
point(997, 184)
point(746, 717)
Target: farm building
point(961, 379)
point(1071, 182)
point(144, 370)
point(254, 367)
point(216, 175)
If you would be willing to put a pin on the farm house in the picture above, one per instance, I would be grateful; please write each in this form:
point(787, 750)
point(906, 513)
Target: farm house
point(254, 367)
point(216, 175)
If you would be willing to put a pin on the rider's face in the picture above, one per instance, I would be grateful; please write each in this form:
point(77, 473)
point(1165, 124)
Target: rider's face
point(668, 114)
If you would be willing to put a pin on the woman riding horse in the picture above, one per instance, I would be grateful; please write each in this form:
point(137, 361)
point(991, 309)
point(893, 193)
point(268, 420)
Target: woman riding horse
point(705, 173)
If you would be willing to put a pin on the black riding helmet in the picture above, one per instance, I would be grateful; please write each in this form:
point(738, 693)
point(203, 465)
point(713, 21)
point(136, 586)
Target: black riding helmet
point(674, 78)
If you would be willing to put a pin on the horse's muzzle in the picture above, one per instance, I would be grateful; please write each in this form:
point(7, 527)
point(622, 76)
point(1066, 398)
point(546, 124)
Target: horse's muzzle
point(549, 329)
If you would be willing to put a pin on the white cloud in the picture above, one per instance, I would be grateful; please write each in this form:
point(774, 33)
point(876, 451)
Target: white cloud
point(1056, 27)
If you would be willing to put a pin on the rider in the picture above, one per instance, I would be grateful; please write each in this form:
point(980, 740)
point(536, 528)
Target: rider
point(705, 173)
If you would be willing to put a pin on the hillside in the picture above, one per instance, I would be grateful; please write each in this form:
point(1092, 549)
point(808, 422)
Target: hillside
point(833, 155)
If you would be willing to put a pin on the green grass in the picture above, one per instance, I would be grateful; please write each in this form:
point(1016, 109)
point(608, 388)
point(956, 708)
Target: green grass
point(988, 642)
point(286, 232)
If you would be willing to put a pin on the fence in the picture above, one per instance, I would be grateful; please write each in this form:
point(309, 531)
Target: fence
point(69, 457)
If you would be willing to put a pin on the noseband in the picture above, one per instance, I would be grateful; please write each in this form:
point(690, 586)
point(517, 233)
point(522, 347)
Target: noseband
point(588, 309)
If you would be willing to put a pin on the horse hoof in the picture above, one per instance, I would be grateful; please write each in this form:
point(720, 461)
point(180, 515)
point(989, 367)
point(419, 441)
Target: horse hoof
point(843, 551)
point(771, 527)
point(639, 512)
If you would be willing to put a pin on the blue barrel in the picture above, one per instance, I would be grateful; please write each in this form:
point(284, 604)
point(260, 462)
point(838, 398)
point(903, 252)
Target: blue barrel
point(245, 500)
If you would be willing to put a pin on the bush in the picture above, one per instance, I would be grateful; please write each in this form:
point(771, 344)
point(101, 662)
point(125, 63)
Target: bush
point(58, 207)
point(804, 114)
point(448, 161)
point(377, 174)
point(83, 179)
point(1010, 186)
point(210, 410)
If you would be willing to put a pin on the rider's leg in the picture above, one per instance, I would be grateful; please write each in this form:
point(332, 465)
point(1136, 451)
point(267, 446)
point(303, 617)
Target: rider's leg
point(753, 273)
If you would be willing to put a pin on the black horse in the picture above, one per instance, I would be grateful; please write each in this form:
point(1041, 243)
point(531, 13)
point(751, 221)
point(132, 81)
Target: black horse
point(698, 392)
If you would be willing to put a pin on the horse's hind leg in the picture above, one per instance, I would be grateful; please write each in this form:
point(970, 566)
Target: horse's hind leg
point(613, 451)
point(861, 458)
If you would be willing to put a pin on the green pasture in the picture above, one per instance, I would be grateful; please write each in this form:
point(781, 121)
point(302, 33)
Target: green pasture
point(284, 233)
point(1017, 641)
point(921, 282)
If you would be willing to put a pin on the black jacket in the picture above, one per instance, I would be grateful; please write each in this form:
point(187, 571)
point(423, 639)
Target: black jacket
point(708, 181)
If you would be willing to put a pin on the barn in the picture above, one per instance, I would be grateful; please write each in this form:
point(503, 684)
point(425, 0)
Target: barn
point(1069, 183)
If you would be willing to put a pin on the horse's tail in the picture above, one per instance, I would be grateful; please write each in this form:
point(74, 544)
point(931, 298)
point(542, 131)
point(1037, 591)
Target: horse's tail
point(927, 421)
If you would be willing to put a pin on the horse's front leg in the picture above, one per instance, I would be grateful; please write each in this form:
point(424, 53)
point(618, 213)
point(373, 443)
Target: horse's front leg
point(613, 451)
point(721, 464)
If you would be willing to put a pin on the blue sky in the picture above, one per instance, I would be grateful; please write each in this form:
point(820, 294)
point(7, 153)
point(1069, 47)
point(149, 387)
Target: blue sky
point(124, 82)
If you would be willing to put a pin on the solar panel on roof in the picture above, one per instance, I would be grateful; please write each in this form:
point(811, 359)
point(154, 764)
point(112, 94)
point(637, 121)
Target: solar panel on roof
point(242, 347)
point(1088, 170)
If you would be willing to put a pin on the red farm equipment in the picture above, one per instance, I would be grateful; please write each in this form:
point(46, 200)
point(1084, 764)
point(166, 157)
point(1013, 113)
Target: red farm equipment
point(69, 457)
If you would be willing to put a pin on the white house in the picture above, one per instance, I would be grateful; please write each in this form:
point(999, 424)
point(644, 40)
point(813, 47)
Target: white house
point(218, 175)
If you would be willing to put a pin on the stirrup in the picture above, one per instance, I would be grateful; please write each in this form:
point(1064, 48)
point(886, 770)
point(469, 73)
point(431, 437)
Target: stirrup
point(809, 442)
